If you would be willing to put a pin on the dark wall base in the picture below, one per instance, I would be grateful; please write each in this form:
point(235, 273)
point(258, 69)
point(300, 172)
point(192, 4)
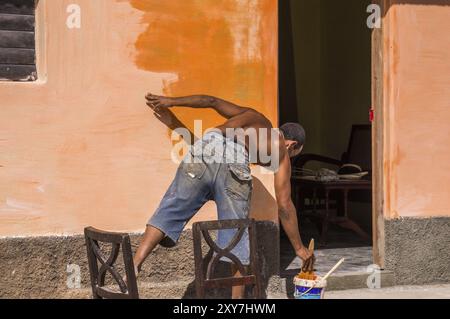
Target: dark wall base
point(418, 250)
point(36, 267)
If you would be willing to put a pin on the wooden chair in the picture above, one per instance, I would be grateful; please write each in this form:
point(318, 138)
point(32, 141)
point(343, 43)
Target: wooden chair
point(94, 238)
point(205, 271)
point(359, 151)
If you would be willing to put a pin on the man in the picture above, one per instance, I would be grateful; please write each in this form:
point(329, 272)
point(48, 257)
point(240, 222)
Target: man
point(225, 177)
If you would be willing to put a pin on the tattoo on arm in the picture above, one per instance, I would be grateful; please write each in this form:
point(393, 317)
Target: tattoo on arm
point(283, 213)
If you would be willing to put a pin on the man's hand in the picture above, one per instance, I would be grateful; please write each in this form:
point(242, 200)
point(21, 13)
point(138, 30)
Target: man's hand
point(307, 258)
point(304, 253)
point(158, 103)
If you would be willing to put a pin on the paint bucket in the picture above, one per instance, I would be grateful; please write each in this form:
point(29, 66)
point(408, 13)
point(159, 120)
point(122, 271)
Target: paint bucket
point(309, 289)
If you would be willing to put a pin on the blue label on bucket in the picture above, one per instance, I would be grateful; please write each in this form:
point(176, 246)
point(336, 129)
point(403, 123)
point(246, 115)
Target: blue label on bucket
point(315, 293)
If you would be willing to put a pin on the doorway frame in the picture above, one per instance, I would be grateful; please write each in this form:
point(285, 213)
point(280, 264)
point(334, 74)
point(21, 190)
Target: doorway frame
point(378, 140)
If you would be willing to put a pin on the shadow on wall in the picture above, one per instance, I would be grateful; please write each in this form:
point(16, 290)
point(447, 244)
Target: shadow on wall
point(263, 203)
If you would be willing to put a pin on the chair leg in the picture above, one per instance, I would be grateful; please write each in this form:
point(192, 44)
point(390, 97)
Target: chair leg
point(199, 281)
point(199, 262)
point(351, 225)
point(324, 232)
point(326, 221)
point(199, 290)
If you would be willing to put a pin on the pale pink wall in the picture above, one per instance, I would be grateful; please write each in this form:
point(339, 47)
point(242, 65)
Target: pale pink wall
point(81, 148)
point(417, 109)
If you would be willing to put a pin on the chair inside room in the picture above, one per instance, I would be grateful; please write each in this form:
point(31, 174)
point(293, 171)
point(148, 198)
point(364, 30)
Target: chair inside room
point(359, 151)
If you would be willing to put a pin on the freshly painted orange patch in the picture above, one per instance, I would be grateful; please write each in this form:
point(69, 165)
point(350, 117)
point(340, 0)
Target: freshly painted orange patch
point(223, 48)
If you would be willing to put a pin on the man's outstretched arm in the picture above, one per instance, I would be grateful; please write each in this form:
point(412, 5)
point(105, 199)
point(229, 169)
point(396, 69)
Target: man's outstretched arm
point(224, 108)
point(286, 209)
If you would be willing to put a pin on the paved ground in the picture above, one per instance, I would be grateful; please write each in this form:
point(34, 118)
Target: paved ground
point(341, 244)
point(400, 292)
point(357, 259)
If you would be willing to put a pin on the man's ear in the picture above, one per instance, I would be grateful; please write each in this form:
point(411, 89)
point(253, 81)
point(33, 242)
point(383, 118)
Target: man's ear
point(292, 145)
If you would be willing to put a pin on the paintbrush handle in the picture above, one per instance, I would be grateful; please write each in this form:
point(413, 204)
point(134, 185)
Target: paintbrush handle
point(311, 246)
point(333, 269)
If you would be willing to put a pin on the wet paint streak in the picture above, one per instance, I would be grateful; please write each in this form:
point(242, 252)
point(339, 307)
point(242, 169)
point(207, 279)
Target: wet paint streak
point(216, 47)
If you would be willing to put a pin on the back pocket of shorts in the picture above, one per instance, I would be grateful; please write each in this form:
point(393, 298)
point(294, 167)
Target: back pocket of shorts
point(238, 186)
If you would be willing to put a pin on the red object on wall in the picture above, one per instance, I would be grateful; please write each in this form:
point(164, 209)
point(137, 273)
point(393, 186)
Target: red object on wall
point(372, 115)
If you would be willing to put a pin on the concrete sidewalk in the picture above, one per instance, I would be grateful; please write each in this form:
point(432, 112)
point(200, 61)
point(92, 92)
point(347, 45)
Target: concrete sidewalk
point(398, 292)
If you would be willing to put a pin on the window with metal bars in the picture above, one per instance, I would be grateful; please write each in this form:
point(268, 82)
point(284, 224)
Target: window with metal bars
point(17, 40)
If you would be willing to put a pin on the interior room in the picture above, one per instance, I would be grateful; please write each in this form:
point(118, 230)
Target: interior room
point(325, 84)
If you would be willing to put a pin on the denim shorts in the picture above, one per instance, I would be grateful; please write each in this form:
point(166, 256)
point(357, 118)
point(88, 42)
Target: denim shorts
point(216, 169)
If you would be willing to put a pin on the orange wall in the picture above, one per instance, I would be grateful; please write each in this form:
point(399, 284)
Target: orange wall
point(81, 148)
point(417, 109)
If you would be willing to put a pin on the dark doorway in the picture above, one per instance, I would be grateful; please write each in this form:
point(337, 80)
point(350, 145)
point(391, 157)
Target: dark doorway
point(325, 85)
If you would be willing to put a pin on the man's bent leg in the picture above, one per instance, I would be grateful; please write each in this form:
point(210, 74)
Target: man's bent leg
point(187, 194)
point(151, 239)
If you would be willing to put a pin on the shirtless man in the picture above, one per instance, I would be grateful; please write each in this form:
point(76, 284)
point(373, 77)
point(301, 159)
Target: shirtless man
point(226, 182)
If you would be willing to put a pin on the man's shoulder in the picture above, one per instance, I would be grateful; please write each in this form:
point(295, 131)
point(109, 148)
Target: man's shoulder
point(259, 117)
